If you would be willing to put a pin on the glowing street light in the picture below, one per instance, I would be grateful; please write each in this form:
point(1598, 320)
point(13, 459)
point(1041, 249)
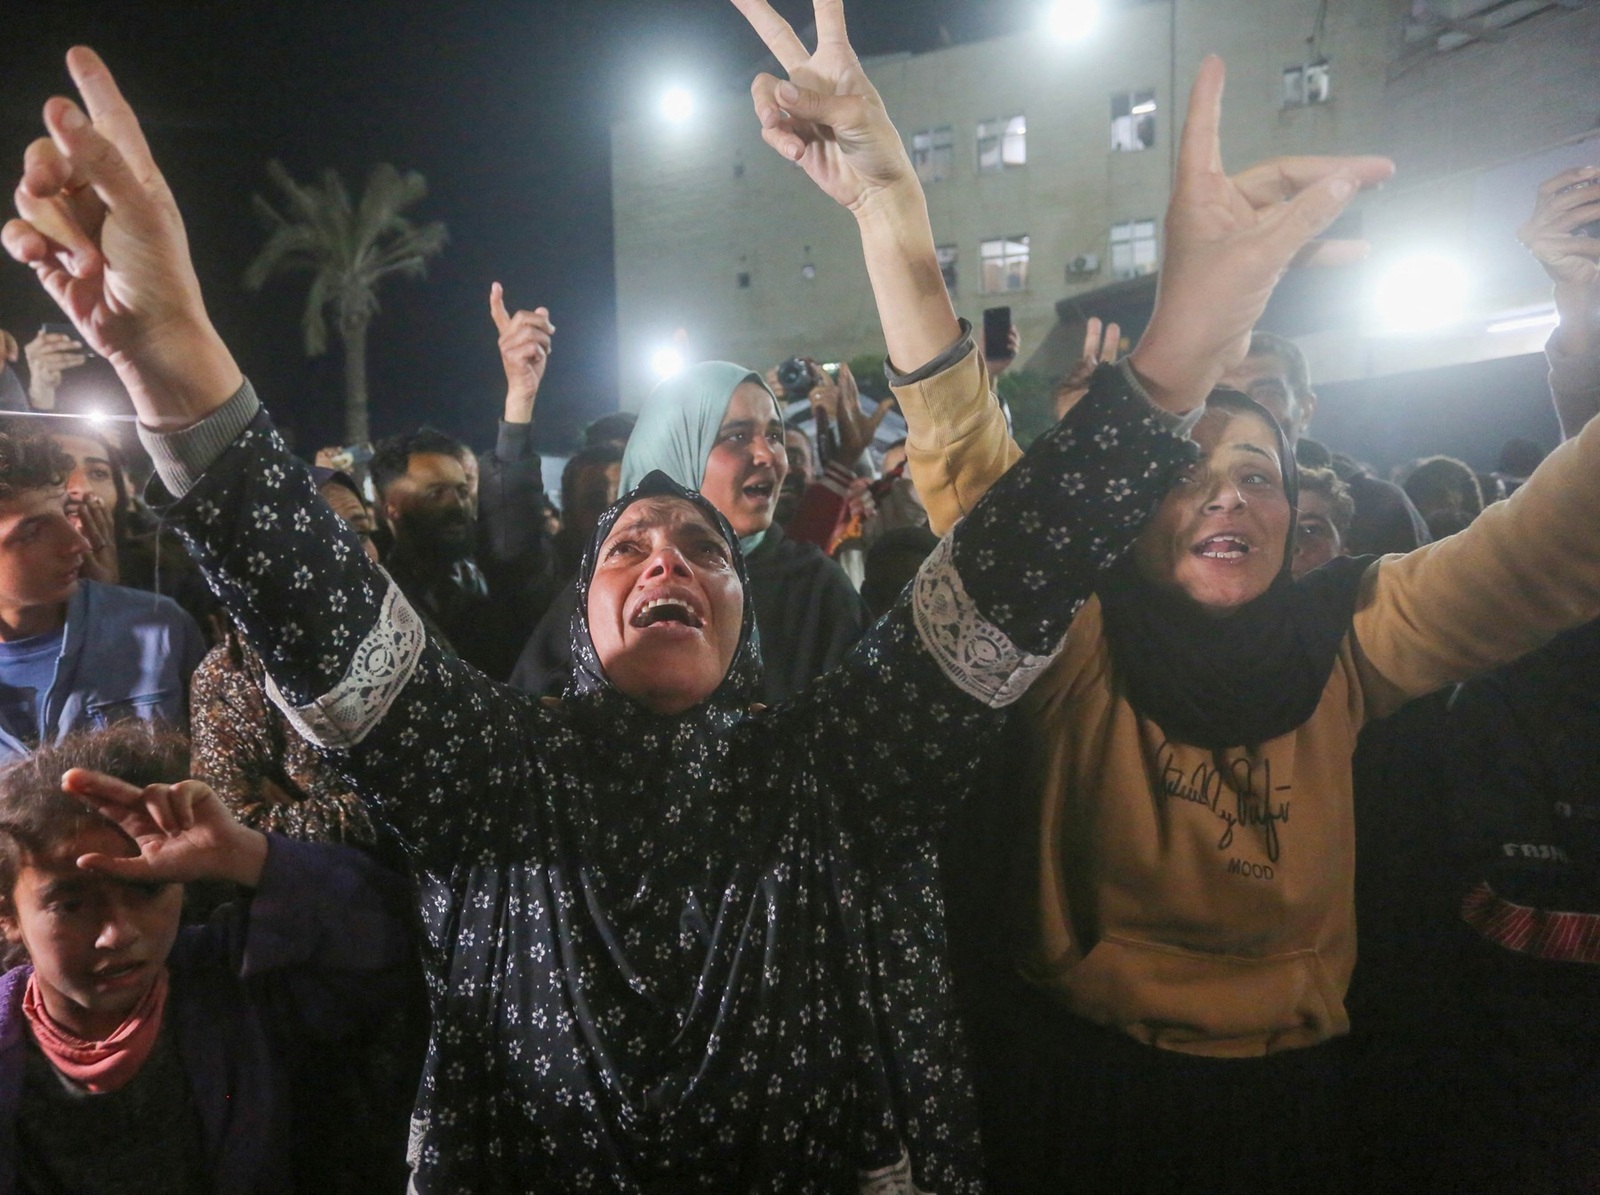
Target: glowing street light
point(666, 362)
point(1422, 293)
point(1071, 20)
point(677, 104)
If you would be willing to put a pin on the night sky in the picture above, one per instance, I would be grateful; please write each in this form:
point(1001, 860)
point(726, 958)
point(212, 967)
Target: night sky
point(504, 107)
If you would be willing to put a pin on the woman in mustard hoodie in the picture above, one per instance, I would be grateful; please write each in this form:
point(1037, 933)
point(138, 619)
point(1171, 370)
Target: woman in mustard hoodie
point(1170, 1018)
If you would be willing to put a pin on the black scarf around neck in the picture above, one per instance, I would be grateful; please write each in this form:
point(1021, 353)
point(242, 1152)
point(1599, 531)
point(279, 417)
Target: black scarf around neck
point(1243, 679)
point(1237, 681)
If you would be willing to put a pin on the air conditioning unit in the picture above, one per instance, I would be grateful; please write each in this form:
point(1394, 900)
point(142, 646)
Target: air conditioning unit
point(1083, 265)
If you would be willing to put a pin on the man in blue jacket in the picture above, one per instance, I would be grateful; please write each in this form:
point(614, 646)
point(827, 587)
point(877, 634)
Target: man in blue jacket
point(74, 653)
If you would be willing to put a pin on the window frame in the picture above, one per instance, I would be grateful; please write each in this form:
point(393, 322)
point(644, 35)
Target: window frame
point(1140, 231)
point(935, 161)
point(1006, 261)
point(1132, 111)
point(1007, 139)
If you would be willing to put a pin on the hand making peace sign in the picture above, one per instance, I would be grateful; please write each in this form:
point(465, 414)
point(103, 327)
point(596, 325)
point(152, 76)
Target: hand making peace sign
point(827, 116)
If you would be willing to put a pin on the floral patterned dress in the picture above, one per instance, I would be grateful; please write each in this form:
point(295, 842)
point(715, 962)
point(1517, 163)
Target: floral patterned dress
point(700, 952)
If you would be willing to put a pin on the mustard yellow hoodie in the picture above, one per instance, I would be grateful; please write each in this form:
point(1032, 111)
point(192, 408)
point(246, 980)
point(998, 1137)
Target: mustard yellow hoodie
point(1201, 901)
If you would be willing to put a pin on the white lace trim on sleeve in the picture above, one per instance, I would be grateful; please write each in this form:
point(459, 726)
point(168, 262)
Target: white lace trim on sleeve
point(979, 658)
point(383, 662)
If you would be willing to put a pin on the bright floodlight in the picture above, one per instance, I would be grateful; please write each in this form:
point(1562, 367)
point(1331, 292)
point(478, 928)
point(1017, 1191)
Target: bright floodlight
point(1072, 19)
point(96, 417)
point(1421, 293)
point(677, 104)
point(667, 363)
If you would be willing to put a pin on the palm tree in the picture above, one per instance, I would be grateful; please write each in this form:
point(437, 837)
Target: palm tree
point(347, 251)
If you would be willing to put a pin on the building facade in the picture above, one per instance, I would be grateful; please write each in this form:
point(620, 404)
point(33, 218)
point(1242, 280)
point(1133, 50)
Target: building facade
point(1047, 168)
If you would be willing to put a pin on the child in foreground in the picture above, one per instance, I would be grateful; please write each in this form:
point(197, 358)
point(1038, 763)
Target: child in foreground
point(136, 1055)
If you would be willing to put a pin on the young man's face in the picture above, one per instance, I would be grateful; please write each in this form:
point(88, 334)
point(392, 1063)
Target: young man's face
point(1317, 538)
point(665, 605)
point(430, 505)
point(1265, 378)
point(469, 469)
point(96, 944)
point(40, 551)
point(797, 450)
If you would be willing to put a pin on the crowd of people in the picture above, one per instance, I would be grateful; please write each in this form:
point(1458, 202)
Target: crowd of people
point(1172, 805)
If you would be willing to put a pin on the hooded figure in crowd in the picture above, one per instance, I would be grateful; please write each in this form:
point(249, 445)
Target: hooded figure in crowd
point(716, 428)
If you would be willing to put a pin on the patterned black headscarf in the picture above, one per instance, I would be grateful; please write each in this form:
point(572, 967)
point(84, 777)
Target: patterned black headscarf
point(1249, 677)
point(742, 683)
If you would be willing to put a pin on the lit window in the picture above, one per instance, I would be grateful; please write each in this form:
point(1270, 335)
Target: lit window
point(947, 266)
point(1294, 86)
point(1319, 87)
point(1303, 85)
point(933, 153)
point(1133, 121)
point(1133, 248)
point(1002, 144)
point(1005, 264)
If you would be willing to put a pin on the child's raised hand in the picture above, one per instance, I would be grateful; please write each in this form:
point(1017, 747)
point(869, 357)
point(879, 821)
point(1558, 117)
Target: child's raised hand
point(183, 831)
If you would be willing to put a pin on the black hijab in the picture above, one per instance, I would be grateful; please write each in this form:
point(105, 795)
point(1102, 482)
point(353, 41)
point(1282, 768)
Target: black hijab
point(1246, 678)
point(590, 686)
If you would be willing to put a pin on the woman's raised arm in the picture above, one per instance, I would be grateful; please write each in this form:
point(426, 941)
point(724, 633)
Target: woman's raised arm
point(828, 118)
point(349, 660)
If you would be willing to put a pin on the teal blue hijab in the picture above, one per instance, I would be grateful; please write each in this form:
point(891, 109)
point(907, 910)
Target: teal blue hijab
point(678, 426)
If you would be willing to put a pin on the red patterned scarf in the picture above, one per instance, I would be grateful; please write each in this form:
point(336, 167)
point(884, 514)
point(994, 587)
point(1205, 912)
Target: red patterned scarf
point(98, 1066)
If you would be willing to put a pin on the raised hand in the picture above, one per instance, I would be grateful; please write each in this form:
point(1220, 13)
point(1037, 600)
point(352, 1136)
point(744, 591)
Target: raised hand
point(99, 227)
point(524, 352)
point(855, 426)
point(1229, 240)
point(50, 354)
point(183, 831)
point(827, 116)
point(1565, 203)
point(8, 348)
point(998, 365)
point(830, 119)
point(1100, 344)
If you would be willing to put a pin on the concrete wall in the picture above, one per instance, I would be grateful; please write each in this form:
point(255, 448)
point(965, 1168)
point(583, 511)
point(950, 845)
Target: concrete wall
point(698, 205)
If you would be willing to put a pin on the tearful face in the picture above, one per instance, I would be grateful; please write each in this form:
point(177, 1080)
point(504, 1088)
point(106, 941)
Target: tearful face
point(665, 608)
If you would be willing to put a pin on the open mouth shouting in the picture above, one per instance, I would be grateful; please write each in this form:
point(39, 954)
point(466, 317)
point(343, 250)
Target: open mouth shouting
point(667, 608)
point(760, 489)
